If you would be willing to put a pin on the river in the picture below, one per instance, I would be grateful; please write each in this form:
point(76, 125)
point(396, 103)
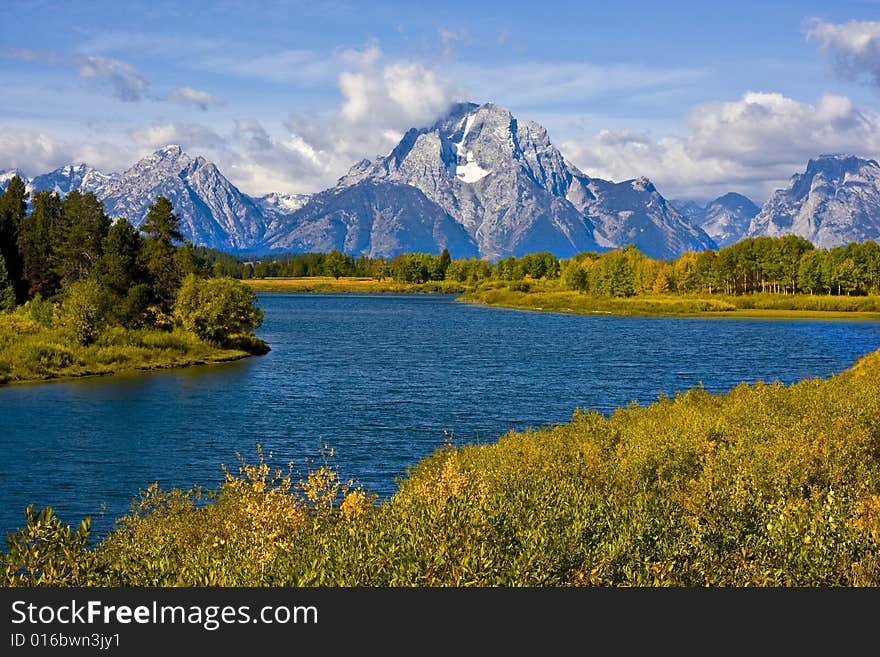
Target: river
point(380, 379)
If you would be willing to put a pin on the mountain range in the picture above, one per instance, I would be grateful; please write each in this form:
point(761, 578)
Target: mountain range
point(726, 219)
point(835, 201)
point(481, 184)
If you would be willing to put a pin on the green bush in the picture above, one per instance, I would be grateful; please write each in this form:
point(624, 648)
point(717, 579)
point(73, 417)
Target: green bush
point(41, 311)
point(217, 308)
point(45, 357)
point(84, 311)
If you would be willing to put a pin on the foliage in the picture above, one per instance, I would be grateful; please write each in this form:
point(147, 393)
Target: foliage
point(216, 309)
point(46, 552)
point(84, 311)
point(7, 290)
point(83, 279)
point(13, 208)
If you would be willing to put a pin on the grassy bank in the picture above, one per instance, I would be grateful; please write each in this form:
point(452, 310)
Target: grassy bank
point(30, 351)
point(753, 306)
point(767, 485)
point(328, 284)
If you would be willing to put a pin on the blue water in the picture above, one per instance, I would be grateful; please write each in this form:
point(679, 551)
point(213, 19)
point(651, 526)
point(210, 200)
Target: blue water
point(379, 379)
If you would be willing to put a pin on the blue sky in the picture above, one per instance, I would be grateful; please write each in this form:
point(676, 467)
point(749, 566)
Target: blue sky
point(703, 98)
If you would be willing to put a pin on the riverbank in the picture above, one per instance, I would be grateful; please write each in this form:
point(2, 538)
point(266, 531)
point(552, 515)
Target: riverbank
point(548, 297)
point(753, 306)
point(30, 352)
point(330, 285)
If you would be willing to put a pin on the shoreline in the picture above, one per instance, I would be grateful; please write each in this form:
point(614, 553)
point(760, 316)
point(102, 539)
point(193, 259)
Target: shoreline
point(559, 301)
point(767, 314)
point(224, 356)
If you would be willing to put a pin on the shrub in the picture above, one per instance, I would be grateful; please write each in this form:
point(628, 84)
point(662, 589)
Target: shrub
point(84, 311)
point(46, 552)
point(41, 311)
point(217, 308)
point(45, 357)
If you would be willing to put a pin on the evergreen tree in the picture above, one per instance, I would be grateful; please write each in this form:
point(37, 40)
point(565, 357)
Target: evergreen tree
point(13, 209)
point(35, 244)
point(443, 264)
point(78, 238)
point(7, 291)
point(121, 265)
point(162, 230)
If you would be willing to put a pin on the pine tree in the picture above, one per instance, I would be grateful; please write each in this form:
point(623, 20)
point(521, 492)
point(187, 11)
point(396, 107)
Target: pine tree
point(13, 209)
point(162, 229)
point(35, 244)
point(77, 239)
point(7, 292)
point(121, 264)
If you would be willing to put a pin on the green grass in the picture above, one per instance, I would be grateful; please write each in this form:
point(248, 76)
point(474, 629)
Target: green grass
point(30, 351)
point(758, 306)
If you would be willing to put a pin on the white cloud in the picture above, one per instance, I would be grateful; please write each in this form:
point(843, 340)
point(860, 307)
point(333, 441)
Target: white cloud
point(124, 81)
point(188, 135)
point(38, 152)
point(853, 46)
point(752, 145)
point(201, 99)
point(380, 101)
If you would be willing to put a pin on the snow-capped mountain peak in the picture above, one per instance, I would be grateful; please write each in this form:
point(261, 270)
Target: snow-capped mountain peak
point(836, 200)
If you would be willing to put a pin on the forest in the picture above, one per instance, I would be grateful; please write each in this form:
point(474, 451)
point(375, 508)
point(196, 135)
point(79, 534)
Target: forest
point(779, 265)
point(83, 294)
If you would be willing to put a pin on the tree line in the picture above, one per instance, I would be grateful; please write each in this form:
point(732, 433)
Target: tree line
point(781, 265)
point(67, 240)
point(100, 272)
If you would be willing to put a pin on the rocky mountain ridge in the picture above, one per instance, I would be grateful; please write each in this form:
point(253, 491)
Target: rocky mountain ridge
point(482, 184)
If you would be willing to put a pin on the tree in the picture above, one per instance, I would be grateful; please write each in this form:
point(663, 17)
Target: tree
point(13, 208)
point(441, 265)
point(576, 276)
point(121, 264)
point(613, 276)
point(7, 291)
point(162, 230)
point(335, 264)
point(35, 244)
point(215, 309)
point(78, 238)
point(84, 310)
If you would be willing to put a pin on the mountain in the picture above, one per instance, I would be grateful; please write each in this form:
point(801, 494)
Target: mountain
point(212, 211)
point(473, 167)
point(834, 202)
point(9, 174)
point(478, 182)
point(504, 182)
point(726, 219)
point(692, 211)
point(634, 212)
point(378, 219)
point(73, 176)
point(277, 209)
